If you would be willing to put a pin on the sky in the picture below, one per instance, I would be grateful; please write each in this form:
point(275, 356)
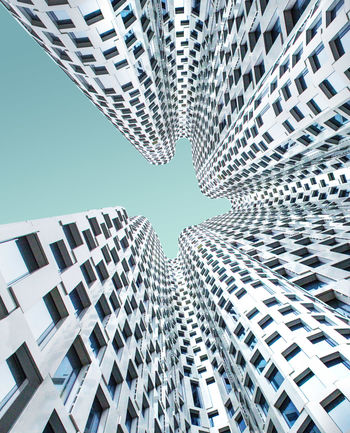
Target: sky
point(60, 155)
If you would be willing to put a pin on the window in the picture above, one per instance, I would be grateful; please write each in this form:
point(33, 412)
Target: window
point(101, 271)
point(311, 428)
point(89, 239)
point(61, 19)
point(298, 326)
point(265, 322)
point(96, 341)
point(128, 16)
point(131, 375)
point(319, 58)
point(296, 357)
point(251, 341)
point(95, 227)
point(19, 380)
point(79, 299)
point(250, 385)
point(339, 410)
point(44, 315)
point(95, 416)
point(195, 418)
point(67, 372)
point(338, 366)
point(88, 272)
point(130, 418)
point(226, 382)
point(213, 418)
point(275, 378)
point(230, 410)
point(61, 255)
point(241, 424)
point(12, 376)
point(275, 338)
point(263, 404)
point(259, 363)
point(54, 424)
point(103, 310)
point(196, 394)
point(310, 385)
point(289, 411)
point(72, 234)
point(341, 43)
point(20, 257)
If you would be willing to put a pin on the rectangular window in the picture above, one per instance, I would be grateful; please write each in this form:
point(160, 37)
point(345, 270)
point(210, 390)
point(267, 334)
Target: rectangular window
point(79, 299)
point(339, 410)
point(259, 363)
point(94, 418)
point(61, 255)
point(195, 418)
point(73, 235)
point(67, 373)
point(19, 381)
point(263, 404)
point(275, 378)
point(97, 342)
point(196, 394)
point(89, 239)
point(12, 376)
point(20, 257)
point(88, 272)
point(310, 385)
point(44, 315)
point(289, 411)
point(241, 424)
point(338, 366)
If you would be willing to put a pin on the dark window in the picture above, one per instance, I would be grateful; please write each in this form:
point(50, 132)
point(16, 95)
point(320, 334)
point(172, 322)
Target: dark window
point(61, 255)
point(73, 235)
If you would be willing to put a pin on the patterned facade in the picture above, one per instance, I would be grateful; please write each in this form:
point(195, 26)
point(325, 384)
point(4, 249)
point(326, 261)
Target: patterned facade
point(258, 87)
point(84, 327)
point(246, 330)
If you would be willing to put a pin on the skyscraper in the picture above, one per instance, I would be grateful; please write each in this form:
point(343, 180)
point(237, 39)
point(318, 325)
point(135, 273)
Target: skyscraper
point(102, 332)
point(260, 88)
point(247, 329)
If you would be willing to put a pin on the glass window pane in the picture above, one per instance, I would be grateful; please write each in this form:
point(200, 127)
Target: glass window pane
point(8, 383)
point(339, 410)
point(12, 265)
point(39, 319)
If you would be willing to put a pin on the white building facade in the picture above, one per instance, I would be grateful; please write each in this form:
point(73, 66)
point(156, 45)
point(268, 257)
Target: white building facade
point(258, 87)
point(103, 333)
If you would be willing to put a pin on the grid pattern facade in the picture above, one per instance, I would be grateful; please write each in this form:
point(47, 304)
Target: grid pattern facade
point(257, 87)
point(84, 308)
point(268, 341)
point(237, 334)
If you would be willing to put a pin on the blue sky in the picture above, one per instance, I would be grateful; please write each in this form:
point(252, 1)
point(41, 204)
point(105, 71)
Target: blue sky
point(60, 155)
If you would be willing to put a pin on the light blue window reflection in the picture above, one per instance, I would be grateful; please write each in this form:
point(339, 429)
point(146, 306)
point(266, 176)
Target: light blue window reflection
point(275, 378)
point(94, 417)
point(311, 386)
point(67, 373)
point(339, 410)
point(339, 367)
point(289, 411)
point(12, 265)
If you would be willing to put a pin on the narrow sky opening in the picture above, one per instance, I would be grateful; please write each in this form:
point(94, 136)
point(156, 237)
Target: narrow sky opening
point(60, 155)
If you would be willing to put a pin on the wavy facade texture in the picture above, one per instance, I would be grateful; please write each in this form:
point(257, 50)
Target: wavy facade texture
point(247, 329)
point(258, 87)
